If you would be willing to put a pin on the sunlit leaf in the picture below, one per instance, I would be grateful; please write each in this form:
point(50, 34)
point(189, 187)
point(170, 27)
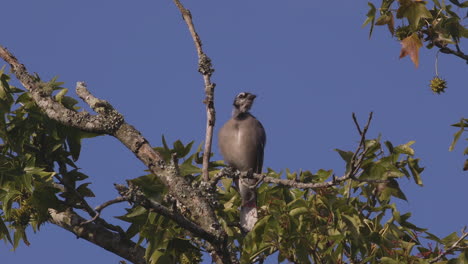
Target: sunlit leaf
point(370, 18)
point(405, 148)
point(414, 11)
point(410, 46)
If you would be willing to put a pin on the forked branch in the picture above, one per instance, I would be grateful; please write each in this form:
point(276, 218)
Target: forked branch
point(206, 69)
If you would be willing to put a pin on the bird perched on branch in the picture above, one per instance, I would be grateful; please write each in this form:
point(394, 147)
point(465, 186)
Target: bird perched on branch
point(242, 141)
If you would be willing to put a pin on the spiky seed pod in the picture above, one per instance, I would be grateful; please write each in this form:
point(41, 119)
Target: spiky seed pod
point(438, 85)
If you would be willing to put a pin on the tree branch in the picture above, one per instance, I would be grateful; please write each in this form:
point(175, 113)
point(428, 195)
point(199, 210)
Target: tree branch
point(447, 50)
point(53, 109)
point(111, 122)
point(452, 248)
point(206, 69)
point(101, 207)
point(134, 195)
point(99, 235)
point(218, 248)
point(355, 166)
point(82, 204)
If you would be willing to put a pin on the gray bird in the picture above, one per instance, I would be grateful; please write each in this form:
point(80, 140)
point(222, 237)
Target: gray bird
point(242, 141)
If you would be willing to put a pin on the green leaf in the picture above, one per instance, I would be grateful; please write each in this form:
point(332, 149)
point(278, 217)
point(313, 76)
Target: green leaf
point(164, 142)
point(370, 18)
point(84, 190)
point(299, 211)
point(457, 3)
point(450, 239)
point(389, 146)
point(151, 186)
point(392, 188)
point(457, 135)
point(324, 174)
point(76, 175)
point(136, 212)
point(374, 171)
point(61, 94)
point(74, 144)
point(413, 11)
point(4, 231)
point(346, 156)
point(415, 170)
point(405, 148)
point(179, 148)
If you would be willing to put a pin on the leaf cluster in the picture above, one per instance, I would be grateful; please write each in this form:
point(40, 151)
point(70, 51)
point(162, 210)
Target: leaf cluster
point(412, 22)
point(463, 126)
point(34, 150)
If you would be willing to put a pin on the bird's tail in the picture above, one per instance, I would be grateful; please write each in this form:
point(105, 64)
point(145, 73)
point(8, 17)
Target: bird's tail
point(248, 215)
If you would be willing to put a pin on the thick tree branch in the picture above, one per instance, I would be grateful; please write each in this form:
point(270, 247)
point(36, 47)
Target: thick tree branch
point(111, 122)
point(54, 110)
point(99, 235)
point(206, 69)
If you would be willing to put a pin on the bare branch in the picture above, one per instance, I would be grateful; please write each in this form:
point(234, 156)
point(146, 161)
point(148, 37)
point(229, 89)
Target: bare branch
point(452, 248)
point(206, 69)
point(99, 235)
point(102, 206)
point(357, 124)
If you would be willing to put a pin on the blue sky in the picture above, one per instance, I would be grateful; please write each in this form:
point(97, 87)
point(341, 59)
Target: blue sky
point(310, 63)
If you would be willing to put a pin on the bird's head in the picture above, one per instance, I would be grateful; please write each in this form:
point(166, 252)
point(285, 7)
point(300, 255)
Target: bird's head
point(243, 102)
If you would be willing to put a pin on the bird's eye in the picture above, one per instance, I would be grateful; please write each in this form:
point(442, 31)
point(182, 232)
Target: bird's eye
point(241, 95)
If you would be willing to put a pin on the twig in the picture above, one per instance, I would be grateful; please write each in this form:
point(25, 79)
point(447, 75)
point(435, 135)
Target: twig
point(357, 124)
point(99, 208)
point(70, 188)
point(451, 248)
point(447, 50)
point(206, 69)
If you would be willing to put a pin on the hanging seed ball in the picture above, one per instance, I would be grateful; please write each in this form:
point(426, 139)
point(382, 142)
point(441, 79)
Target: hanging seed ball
point(438, 85)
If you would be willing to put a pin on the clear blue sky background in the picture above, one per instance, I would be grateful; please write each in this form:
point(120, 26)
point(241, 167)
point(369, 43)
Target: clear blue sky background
point(310, 63)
